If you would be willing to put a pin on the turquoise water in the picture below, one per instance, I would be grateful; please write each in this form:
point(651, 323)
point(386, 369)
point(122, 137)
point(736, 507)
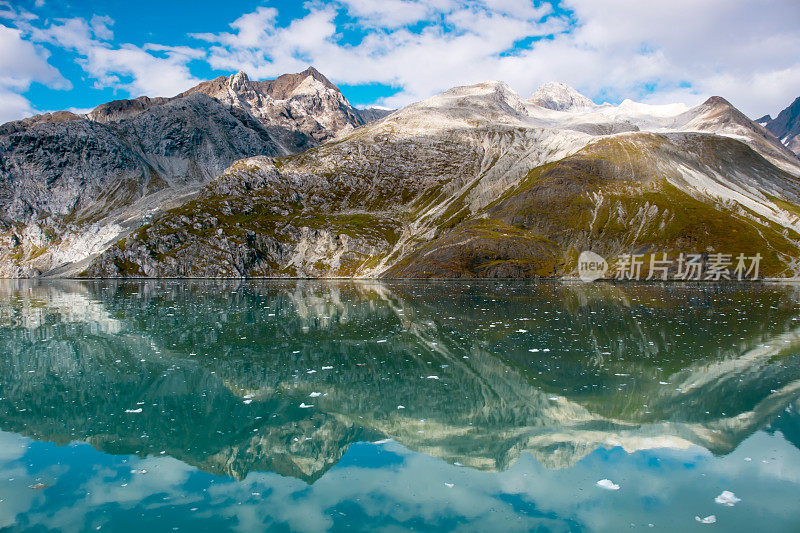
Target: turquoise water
point(311, 406)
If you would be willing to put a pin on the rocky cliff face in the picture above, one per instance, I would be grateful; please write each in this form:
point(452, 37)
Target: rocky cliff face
point(786, 126)
point(475, 181)
point(305, 103)
point(71, 185)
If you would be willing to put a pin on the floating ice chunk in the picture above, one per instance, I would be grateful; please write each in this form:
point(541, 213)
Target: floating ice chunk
point(534, 350)
point(432, 377)
point(449, 485)
point(553, 398)
point(327, 368)
point(401, 406)
point(727, 498)
point(522, 331)
point(607, 484)
point(710, 519)
point(304, 406)
point(247, 402)
point(311, 372)
point(458, 464)
point(314, 394)
point(248, 396)
point(382, 340)
point(546, 350)
point(142, 471)
point(664, 383)
point(748, 459)
point(134, 411)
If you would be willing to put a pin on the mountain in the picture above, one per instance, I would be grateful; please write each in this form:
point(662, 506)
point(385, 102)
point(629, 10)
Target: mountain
point(786, 126)
point(560, 97)
point(69, 184)
point(473, 182)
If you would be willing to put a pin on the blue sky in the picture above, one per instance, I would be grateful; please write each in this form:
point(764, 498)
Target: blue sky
point(80, 53)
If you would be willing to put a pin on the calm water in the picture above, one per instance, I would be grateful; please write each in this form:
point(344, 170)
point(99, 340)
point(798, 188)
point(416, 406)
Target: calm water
point(309, 406)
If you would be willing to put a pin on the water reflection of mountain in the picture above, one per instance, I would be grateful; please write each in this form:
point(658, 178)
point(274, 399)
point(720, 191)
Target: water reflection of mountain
point(220, 369)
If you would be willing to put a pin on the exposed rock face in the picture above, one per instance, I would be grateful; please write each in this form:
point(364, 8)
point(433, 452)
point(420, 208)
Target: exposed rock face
point(371, 114)
point(306, 102)
point(476, 182)
point(786, 126)
point(121, 109)
point(64, 176)
point(78, 166)
point(473, 182)
point(560, 97)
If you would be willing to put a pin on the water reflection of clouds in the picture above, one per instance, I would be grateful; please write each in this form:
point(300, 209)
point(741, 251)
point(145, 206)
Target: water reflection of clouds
point(617, 397)
point(664, 487)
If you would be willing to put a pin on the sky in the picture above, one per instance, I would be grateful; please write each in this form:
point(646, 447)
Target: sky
point(76, 54)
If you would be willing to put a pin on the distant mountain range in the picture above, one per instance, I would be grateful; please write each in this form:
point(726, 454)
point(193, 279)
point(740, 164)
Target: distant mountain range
point(786, 126)
point(239, 178)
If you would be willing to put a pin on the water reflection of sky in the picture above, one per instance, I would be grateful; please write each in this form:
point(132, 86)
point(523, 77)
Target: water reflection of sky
point(168, 405)
point(388, 486)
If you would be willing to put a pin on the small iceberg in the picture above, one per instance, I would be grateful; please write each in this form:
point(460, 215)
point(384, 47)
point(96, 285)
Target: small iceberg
point(607, 484)
point(707, 520)
point(727, 498)
point(133, 411)
point(315, 394)
point(304, 406)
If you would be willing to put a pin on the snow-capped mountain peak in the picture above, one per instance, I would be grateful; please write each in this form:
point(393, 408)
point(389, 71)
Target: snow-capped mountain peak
point(560, 97)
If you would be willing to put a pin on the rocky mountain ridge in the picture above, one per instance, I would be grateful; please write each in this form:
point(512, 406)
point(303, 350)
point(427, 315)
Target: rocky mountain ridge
point(786, 126)
point(475, 181)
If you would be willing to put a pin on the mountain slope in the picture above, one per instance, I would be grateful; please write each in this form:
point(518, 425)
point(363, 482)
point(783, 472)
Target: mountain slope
point(70, 185)
point(479, 182)
point(786, 126)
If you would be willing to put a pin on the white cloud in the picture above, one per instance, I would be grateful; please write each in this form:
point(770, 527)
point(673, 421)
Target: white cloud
point(653, 51)
point(21, 64)
point(151, 69)
point(615, 49)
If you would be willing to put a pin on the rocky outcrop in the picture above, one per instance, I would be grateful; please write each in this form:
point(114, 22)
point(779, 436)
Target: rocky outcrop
point(306, 103)
point(65, 177)
point(786, 126)
point(473, 182)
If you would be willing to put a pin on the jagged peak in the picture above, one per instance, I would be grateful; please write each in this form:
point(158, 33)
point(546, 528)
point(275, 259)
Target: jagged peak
point(284, 86)
point(240, 79)
point(560, 97)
